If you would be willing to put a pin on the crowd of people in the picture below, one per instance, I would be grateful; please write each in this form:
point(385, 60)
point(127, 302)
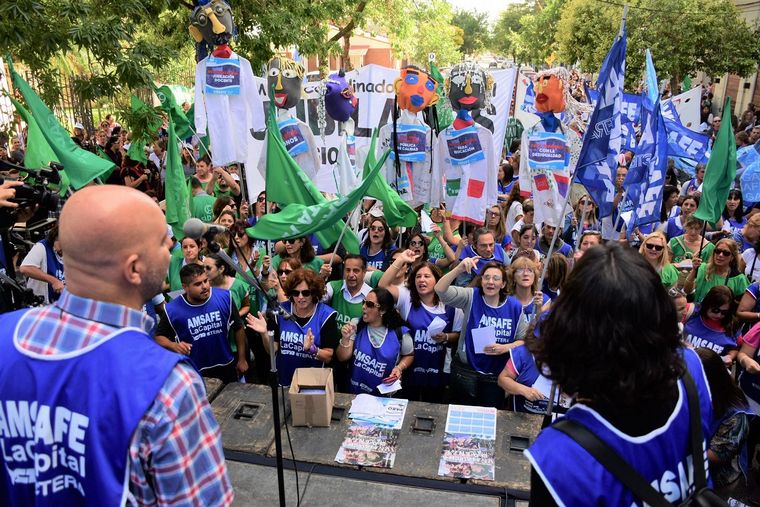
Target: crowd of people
point(461, 313)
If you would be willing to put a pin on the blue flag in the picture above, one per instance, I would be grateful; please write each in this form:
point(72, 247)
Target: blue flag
point(646, 175)
point(602, 141)
point(685, 143)
point(631, 108)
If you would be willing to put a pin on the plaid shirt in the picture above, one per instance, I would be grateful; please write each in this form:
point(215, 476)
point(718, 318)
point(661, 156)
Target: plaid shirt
point(175, 454)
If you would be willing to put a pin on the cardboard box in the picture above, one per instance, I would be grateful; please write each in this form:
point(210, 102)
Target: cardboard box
point(312, 397)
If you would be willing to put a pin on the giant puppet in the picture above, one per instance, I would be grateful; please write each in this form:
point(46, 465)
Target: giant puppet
point(409, 168)
point(227, 104)
point(545, 163)
point(465, 149)
point(337, 100)
point(285, 87)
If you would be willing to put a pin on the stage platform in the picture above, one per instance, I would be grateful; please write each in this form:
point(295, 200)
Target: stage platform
point(244, 412)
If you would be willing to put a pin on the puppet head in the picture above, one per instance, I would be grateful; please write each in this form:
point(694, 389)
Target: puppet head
point(340, 100)
point(211, 21)
point(286, 77)
point(469, 87)
point(415, 89)
point(550, 92)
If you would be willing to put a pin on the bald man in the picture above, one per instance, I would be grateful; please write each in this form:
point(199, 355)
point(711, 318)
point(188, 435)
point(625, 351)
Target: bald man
point(92, 411)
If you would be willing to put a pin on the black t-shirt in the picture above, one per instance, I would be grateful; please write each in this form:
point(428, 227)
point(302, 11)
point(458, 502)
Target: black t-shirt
point(165, 328)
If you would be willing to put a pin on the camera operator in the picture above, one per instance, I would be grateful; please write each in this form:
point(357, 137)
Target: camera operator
point(7, 192)
point(105, 389)
point(43, 267)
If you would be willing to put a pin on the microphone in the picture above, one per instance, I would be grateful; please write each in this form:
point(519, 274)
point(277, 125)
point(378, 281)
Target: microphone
point(196, 229)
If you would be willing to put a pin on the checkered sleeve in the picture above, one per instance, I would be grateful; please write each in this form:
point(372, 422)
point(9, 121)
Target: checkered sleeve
point(176, 452)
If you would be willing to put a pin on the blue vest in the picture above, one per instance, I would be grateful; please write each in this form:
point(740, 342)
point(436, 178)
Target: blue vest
point(673, 230)
point(503, 318)
point(54, 268)
point(699, 335)
point(565, 249)
point(150, 311)
point(429, 356)
point(498, 256)
point(292, 354)
point(370, 365)
point(754, 290)
point(530, 307)
point(663, 456)
point(376, 261)
point(527, 374)
point(205, 327)
point(736, 226)
point(73, 416)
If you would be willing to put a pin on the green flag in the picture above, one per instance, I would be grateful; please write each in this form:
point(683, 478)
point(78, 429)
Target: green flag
point(720, 171)
point(169, 104)
point(443, 107)
point(177, 195)
point(81, 165)
point(145, 123)
point(38, 152)
point(287, 184)
point(397, 212)
point(298, 220)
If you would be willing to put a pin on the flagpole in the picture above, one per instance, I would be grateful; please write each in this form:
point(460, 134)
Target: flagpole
point(619, 217)
point(579, 230)
point(340, 238)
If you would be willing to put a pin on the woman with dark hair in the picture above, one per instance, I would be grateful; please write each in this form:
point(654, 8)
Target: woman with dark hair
point(713, 324)
point(624, 372)
point(380, 348)
point(301, 249)
point(189, 253)
point(733, 213)
point(224, 202)
point(556, 275)
point(675, 225)
point(670, 208)
point(420, 307)
point(721, 269)
point(504, 181)
point(526, 244)
point(691, 244)
point(243, 251)
point(221, 275)
point(583, 218)
point(418, 243)
point(491, 319)
point(727, 449)
point(514, 207)
point(378, 244)
point(529, 213)
point(308, 339)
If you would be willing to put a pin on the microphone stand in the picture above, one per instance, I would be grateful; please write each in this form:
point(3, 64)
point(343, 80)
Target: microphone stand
point(273, 310)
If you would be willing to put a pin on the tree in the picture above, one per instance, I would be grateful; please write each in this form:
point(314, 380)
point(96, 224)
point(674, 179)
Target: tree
point(507, 26)
point(683, 40)
point(417, 28)
point(475, 32)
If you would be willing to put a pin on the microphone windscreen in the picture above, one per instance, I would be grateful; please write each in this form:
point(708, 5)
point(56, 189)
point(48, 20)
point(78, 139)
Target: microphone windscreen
point(194, 228)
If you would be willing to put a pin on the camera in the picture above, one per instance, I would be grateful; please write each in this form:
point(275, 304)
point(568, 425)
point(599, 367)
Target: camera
point(35, 191)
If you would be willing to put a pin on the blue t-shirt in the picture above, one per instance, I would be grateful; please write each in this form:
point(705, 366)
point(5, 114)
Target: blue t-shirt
point(696, 332)
point(499, 255)
point(376, 261)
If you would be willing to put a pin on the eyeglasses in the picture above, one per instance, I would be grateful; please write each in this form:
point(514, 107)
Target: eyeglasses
point(656, 248)
point(240, 234)
point(523, 271)
point(494, 278)
point(720, 311)
point(377, 229)
point(724, 253)
point(675, 292)
point(370, 304)
point(493, 213)
point(416, 243)
point(289, 241)
point(284, 272)
point(583, 203)
point(261, 199)
point(303, 293)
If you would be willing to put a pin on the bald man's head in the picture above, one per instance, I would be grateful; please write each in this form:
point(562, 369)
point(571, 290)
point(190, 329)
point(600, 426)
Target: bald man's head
point(114, 241)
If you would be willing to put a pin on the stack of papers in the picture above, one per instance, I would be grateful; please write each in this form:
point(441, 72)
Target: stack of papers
point(385, 412)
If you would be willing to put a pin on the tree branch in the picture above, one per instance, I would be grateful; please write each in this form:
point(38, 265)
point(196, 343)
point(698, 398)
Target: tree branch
point(346, 30)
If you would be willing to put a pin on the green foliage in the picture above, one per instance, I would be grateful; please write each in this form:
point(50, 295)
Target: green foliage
point(688, 36)
point(475, 30)
point(417, 28)
point(526, 31)
point(508, 27)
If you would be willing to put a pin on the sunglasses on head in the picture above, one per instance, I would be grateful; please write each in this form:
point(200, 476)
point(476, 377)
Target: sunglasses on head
point(719, 311)
point(656, 248)
point(370, 304)
point(303, 293)
point(724, 253)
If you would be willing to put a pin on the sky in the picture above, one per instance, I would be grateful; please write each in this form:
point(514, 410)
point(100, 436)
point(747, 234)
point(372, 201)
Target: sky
point(491, 7)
